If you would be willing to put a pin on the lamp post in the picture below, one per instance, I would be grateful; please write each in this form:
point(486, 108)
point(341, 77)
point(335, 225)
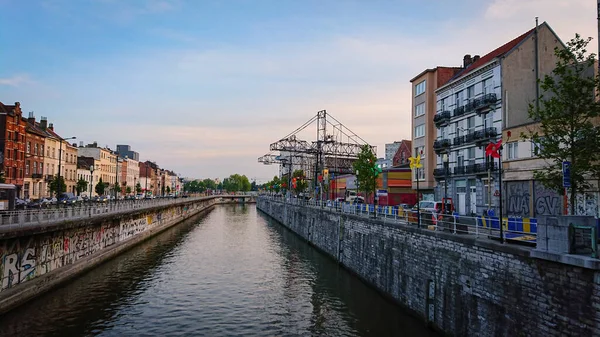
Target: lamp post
point(445, 161)
point(91, 181)
point(146, 188)
point(59, 167)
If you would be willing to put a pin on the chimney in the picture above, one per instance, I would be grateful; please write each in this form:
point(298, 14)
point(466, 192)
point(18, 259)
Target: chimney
point(476, 58)
point(43, 123)
point(51, 127)
point(467, 60)
point(95, 143)
point(31, 118)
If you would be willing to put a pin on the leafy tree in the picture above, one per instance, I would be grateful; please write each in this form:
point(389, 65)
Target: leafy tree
point(128, 190)
point(138, 188)
point(209, 184)
point(168, 189)
point(236, 182)
point(301, 183)
point(54, 184)
point(253, 186)
point(117, 188)
point(81, 186)
point(100, 186)
point(364, 165)
point(567, 115)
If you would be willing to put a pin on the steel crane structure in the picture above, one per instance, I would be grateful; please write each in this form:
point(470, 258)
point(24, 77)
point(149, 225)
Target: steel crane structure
point(335, 149)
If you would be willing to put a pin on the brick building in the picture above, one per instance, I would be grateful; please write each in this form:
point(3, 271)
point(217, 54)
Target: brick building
point(12, 145)
point(34, 187)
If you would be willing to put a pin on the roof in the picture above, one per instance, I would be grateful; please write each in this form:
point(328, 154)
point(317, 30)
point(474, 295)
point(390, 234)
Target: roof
point(498, 52)
point(432, 70)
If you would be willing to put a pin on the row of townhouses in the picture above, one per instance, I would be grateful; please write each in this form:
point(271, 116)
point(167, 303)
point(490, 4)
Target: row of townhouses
point(458, 111)
point(32, 154)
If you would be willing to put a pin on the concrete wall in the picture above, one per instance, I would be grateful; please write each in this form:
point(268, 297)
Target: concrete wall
point(33, 260)
point(463, 286)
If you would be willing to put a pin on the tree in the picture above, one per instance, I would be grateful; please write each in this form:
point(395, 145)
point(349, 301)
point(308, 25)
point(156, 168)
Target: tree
point(81, 186)
point(301, 183)
point(54, 183)
point(128, 190)
point(567, 117)
point(366, 172)
point(138, 188)
point(100, 186)
point(168, 189)
point(117, 188)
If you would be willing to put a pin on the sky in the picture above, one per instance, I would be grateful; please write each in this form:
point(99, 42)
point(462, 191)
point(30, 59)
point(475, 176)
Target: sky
point(202, 87)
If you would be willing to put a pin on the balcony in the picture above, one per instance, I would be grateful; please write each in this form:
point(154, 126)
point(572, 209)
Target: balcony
point(37, 176)
point(470, 169)
point(483, 168)
point(441, 145)
point(459, 111)
point(459, 140)
point(49, 177)
point(442, 118)
point(485, 135)
point(459, 170)
point(485, 103)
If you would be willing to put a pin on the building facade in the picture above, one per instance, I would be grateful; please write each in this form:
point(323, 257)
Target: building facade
point(125, 151)
point(471, 112)
point(401, 156)
point(106, 167)
point(391, 149)
point(51, 144)
point(86, 170)
point(423, 109)
point(12, 146)
point(34, 187)
point(130, 174)
point(147, 177)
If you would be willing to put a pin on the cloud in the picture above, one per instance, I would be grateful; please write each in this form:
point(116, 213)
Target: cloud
point(193, 108)
point(16, 80)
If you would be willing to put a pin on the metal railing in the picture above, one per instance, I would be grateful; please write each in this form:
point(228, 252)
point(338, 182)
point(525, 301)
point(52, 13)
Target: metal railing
point(515, 229)
point(54, 214)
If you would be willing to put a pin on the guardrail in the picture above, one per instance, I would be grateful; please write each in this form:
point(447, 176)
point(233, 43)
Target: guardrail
point(514, 229)
point(54, 214)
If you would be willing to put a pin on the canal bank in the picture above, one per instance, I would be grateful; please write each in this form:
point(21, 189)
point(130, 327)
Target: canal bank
point(37, 258)
point(462, 285)
point(228, 272)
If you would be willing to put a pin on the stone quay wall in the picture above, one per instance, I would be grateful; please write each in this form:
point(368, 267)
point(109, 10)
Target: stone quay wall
point(461, 285)
point(34, 259)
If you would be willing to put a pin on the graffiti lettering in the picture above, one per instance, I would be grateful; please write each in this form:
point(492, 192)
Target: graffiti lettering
point(518, 198)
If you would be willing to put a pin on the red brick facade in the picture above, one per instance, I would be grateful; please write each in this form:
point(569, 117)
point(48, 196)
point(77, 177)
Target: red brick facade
point(12, 146)
point(34, 160)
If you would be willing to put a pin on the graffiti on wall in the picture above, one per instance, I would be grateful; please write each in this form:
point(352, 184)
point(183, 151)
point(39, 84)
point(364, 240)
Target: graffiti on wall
point(518, 198)
point(23, 259)
point(521, 202)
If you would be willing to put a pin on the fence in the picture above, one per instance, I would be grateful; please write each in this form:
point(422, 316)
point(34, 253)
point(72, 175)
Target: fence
point(54, 214)
point(523, 230)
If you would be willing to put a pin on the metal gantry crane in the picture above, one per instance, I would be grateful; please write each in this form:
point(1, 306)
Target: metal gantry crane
point(335, 151)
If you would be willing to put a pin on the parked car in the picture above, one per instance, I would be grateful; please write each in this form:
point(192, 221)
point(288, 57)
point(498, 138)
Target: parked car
point(405, 207)
point(434, 206)
point(48, 201)
point(35, 203)
point(20, 203)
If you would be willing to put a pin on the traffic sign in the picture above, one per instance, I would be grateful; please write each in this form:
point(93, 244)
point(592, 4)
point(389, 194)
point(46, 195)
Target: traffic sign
point(566, 170)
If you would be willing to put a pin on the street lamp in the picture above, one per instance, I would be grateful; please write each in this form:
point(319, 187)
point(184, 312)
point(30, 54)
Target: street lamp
point(91, 181)
point(59, 162)
point(445, 161)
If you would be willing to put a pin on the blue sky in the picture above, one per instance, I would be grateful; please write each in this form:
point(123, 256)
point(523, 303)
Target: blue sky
point(203, 87)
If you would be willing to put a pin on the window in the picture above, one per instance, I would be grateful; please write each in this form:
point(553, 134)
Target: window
point(420, 88)
point(459, 98)
point(420, 173)
point(471, 153)
point(487, 86)
point(470, 92)
point(513, 150)
point(460, 159)
point(420, 150)
point(35, 149)
point(471, 123)
point(27, 167)
point(488, 121)
point(42, 167)
point(34, 167)
point(28, 147)
point(420, 110)
point(420, 131)
point(536, 148)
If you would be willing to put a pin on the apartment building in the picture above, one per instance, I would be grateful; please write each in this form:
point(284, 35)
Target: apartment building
point(424, 133)
point(12, 145)
point(471, 109)
point(107, 166)
point(86, 170)
point(34, 160)
point(130, 175)
point(391, 149)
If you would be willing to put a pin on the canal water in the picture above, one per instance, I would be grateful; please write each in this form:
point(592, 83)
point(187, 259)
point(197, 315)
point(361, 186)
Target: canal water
point(232, 272)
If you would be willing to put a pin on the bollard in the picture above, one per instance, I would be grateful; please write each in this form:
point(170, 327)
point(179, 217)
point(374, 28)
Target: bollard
point(454, 230)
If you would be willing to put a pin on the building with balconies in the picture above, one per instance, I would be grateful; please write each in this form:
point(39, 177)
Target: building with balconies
point(472, 109)
point(34, 187)
point(423, 128)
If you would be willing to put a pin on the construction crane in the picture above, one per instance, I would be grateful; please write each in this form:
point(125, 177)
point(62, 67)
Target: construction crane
point(335, 151)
